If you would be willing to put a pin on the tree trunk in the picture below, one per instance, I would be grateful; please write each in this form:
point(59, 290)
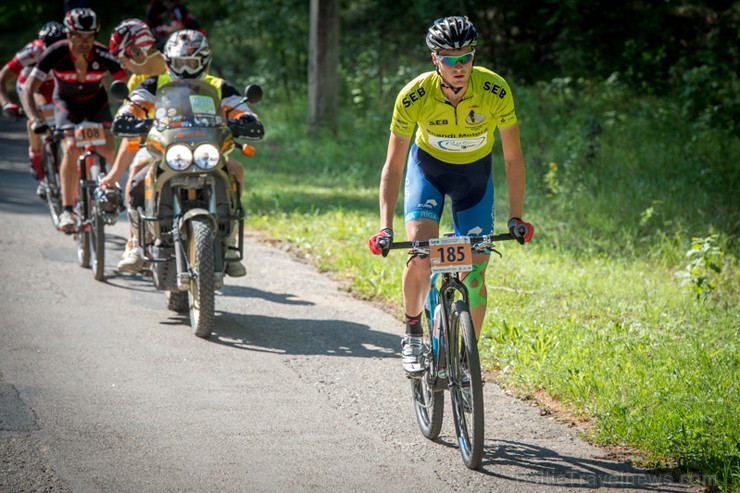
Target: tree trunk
point(323, 60)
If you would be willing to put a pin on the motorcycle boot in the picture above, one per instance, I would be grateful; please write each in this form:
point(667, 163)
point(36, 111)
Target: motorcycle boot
point(132, 259)
point(233, 268)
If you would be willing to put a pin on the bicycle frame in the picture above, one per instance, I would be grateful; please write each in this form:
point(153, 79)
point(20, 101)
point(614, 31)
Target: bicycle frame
point(442, 340)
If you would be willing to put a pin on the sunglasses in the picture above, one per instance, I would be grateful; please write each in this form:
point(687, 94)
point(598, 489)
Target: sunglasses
point(452, 60)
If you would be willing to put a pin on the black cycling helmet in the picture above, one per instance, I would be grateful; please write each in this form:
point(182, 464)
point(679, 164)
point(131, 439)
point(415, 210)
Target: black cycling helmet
point(81, 20)
point(51, 32)
point(451, 33)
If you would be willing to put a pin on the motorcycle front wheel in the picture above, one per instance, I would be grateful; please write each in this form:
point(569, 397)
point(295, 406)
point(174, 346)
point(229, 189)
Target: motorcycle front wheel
point(202, 292)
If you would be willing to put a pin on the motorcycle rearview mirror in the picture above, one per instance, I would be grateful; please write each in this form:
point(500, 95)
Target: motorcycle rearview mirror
point(119, 90)
point(253, 93)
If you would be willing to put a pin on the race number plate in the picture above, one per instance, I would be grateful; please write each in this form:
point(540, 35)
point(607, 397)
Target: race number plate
point(89, 134)
point(451, 254)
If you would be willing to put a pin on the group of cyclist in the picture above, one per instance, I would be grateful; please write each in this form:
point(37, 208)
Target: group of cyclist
point(455, 110)
point(68, 67)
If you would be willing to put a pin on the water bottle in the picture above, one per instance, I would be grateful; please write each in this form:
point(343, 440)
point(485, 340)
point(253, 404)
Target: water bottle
point(437, 321)
point(94, 172)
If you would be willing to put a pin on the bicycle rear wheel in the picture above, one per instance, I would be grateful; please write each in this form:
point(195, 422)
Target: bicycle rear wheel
point(467, 402)
point(428, 400)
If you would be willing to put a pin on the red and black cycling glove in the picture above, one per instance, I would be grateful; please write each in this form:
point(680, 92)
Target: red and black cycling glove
point(523, 232)
point(380, 242)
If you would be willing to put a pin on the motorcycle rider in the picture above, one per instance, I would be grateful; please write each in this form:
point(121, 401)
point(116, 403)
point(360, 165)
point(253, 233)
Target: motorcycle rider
point(188, 56)
point(78, 65)
point(19, 67)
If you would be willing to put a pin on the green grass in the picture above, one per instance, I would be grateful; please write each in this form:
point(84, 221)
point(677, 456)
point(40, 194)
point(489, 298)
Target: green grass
point(605, 311)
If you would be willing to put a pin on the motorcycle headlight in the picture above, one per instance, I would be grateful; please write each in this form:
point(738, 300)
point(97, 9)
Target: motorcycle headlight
point(206, 156)
point(179, 157)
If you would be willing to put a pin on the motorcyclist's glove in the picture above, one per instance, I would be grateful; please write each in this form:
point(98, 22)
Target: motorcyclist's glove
point(127, 125)
point(250, 127)
point(39, 126)
point(380, 243)
point(522, 231)
point(11, 110)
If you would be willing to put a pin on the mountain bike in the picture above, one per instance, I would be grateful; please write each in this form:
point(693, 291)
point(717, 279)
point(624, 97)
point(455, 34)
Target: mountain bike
point(52, 160)
point(95, 208)
point(450, 349)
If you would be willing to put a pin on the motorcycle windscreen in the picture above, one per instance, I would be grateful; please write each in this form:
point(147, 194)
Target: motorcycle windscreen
point(187, 103)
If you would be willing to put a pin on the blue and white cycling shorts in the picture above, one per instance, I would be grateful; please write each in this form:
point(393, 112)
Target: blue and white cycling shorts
point(469, 186)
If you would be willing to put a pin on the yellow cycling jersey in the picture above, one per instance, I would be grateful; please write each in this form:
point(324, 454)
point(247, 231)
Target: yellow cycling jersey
point(135, 80)
point(455, 135)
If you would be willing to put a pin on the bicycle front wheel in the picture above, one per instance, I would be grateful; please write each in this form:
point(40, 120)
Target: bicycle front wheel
point(82, 236)
point(97, 240)
point(466, 386)
point(52, 183)
point(428, 399)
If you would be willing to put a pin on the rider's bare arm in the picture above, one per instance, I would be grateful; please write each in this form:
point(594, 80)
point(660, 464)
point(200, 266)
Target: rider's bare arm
point(6, 76)
point(31, 86)
point(514, 161)
point(391, 178)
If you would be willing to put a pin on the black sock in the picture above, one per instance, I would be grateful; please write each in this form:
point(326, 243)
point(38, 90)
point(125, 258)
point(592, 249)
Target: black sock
point(67, 208)
point(413, 325)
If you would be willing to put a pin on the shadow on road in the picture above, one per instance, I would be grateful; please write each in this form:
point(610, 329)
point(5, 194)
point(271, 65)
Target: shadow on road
point(547, 467)
point(303, 337)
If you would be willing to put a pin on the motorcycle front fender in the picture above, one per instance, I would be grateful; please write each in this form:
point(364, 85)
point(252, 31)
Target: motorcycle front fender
point(182, 224)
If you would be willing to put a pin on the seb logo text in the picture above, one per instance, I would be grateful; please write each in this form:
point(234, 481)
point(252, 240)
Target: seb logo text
point(413, 97)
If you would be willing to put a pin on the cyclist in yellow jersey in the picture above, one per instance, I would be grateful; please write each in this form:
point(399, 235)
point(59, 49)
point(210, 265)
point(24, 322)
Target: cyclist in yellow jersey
point(455, 111)
point(132, 43)
point(188, 56)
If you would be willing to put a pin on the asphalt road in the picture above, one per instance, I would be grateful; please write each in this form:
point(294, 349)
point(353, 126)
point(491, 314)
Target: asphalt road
point(299, 389)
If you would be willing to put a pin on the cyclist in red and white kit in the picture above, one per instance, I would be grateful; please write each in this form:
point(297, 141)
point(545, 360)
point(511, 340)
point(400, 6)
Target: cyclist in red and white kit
point(19, 68)
point(79, 66)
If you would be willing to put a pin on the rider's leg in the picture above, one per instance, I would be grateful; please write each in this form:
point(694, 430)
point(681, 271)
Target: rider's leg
point(35, 153)
point(475, 281)
point(68, 172)
point(417, 271)
point(132, 259)
point(108, 149)
point(35, 144)
point(234, 269)
point(236, 169)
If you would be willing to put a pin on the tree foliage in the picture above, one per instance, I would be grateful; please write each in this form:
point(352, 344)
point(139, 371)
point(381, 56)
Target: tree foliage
point(687, 48)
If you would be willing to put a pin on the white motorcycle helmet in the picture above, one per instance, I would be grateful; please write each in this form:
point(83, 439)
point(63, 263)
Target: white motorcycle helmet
point(187, 54)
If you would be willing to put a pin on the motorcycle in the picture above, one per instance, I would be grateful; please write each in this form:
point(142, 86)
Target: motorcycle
point(192, 209)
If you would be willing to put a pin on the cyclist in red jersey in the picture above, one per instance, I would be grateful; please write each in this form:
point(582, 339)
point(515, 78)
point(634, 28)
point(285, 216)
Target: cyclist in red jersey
point(455, 110)
point(19, 68)
point(79, 66)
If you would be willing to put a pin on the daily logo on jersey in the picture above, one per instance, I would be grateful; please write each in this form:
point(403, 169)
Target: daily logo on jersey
point(458, 145)
point(474, 118)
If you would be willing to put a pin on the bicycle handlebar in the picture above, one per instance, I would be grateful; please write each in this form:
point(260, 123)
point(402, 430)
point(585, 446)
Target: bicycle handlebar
point(485, 239)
